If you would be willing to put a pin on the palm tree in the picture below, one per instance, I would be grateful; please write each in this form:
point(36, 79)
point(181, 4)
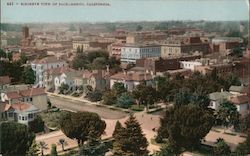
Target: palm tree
point(42, 145)
point(63, 143)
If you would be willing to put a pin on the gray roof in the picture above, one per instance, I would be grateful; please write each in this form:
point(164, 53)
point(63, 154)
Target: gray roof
point(219, 95)
point(237, 88)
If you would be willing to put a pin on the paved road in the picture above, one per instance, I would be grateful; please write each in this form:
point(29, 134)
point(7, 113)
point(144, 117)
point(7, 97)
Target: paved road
point(73, 105)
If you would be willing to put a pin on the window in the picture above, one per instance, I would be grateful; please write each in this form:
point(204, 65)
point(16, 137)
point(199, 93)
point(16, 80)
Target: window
point(31, 99)
point(26, 118)
point(11, 114)
point(23, 118)
point(30, 116)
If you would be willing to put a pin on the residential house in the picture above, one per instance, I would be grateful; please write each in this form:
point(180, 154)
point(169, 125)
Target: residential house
point(20, 112)
point(216, 98)
point(35, 96)
point(131, 79)
point(40, 66)
point(242, 103)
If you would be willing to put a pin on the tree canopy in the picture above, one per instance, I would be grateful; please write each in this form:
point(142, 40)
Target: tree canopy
point(82, 126)
point(16, 139)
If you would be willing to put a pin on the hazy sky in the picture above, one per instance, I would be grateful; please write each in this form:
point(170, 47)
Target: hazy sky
point(126, 10)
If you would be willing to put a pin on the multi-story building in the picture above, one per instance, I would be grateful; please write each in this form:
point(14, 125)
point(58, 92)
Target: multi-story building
point(88, 45)
point(39, 66)
point(223, 44)
point(115, 50)
point(132, 52)
point(145, 36)
point(187, 45)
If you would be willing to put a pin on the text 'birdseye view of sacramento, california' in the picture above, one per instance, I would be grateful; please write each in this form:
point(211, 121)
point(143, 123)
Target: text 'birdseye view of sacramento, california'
point(124, 78)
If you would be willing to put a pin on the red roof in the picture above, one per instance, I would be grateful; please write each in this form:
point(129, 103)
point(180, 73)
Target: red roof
point(32, 92)
point(241, 99)
point(13, 95)
point(132, 76)
point(4, 80)
point(4, 107)
point(20, 106)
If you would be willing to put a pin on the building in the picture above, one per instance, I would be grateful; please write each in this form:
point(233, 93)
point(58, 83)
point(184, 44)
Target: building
point(131, 79)
point(145, 36)
point(34, 96)
point(114, 50)
point(189, 64)
point(41, 65)
point(89, 45)
point(83, 45)
point(25, 31)
point(224, 44)
point(20, 112)
point(132, 52)
point(216, 98)
point(182, 46)
point(4, 82)
point(242, 103)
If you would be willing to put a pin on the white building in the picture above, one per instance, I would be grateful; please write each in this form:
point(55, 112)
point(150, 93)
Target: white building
point(131, 79)
point(39, 66)
point(216, 98)
point(131, 52)
point(189, 64)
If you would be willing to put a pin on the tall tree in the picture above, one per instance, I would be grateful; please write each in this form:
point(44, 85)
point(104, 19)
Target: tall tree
point(221, 148)
point(42, 145)
point(93, 148)
point(33, 150)
point(28, 75)
point(185, 124)
point(125, 101)
point(15, 138)
point(82, 126)
point(118, 88)
point(130, 140)
point(53, 151)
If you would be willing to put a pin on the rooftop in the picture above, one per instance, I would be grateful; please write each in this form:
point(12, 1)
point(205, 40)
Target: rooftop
point(132, 76)
point(219, 95)
point(50, 59)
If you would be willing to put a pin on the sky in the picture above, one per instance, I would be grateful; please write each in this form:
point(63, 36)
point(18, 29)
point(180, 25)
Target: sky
point(125, 10)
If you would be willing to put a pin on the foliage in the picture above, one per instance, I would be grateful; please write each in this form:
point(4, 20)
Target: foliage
point(227, 114)
point(125, 101)
point(245, 123)
point(12, 69)
point(93, 148)
point(82, 126)
point(33, 150)
point(42, 145)
point(185, 124)
point(94, 96)
point(109, 98)
point(15, 138)
point(137, 107)
point(37, 125)
point(221, 148)
point(53, 151)
point(130, 140)
point(63, 88)
point(99, 63)
point(23, 58)
point(166, 150)
point(139, 28)
point(237, 52)
point(28, 75)
point(118, 88)
point(146, 95)
point(243, 148)
point(63, 143)
point(118, 127)
point(52, 119)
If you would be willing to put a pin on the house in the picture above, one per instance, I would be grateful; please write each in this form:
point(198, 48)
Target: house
point(34, 96)
point(132, 52)
point(41, 65)
point(190, 64)
point(237, 90)
point(242, 102)
point(71, 78)
point(20, 112)
point(216, 98)
point(51, 74)
point(4, 82)
point(131, 79)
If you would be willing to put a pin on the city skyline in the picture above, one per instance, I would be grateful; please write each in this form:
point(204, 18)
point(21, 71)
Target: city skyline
point(126, 11)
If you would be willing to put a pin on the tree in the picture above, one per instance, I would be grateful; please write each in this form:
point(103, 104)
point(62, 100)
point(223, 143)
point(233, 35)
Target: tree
point(245, 123)
point(63, 143)
point(53, 151)
point(118, 88)
point(243, 148)
point(2, 53)
point(63, 88)
point(200, 100)
point(182, 97)
point(33, 150)
point(28, 75)
point(139, 28)
point(82, 126)
point(237, 52)
point(118, 127)
point(125, 101)
point(93, 148)
point(23, 58)
point(227, 114)
point(130, 140)
point(185, 124)
point(166, 150)
point(42, 145)
point(221, 148)
point(37, 125)
point(94, 96)
point(15, 138)
point(109, 98)
point(146, 95)
point(99, 63)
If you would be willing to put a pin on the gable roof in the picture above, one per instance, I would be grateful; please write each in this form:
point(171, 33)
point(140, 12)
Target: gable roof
point(219, 95)
point(242, 99)
point(239, 89)
point(24, 107)
point(4, 80)
point(25, 93)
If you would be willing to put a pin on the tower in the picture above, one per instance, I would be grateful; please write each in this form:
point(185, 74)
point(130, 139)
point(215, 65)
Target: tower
point(25, 31)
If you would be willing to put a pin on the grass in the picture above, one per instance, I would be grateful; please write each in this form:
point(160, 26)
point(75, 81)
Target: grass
point(233, 134)
point(137, 108)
